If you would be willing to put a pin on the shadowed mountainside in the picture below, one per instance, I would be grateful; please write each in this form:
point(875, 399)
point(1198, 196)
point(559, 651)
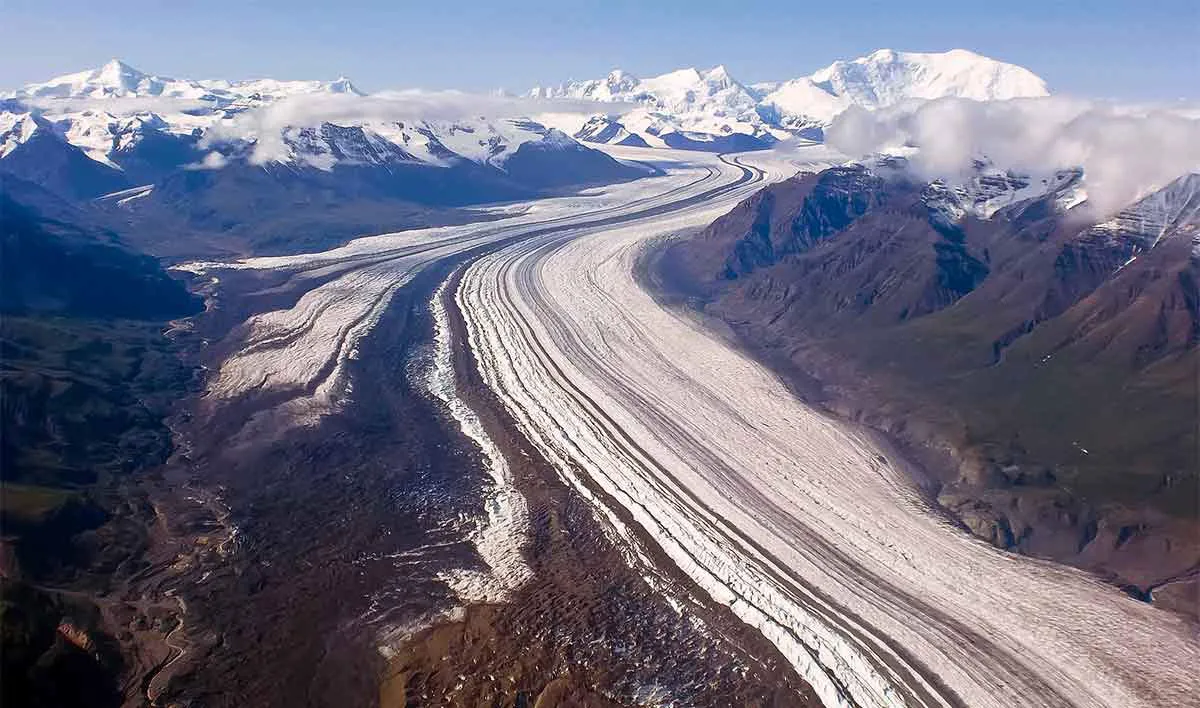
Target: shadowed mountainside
point(87, 375)
point(344, 181)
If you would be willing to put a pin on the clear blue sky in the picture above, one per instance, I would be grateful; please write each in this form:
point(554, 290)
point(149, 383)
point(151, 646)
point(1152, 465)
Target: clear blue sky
point(1125, 49)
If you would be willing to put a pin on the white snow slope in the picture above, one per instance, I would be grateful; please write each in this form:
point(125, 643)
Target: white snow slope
point(714, 103)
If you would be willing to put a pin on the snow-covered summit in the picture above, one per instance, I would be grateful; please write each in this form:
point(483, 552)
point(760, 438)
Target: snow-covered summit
point(713, 102)
point(677, 92)
point(617, 86)
point(116, 79)
point(886, 77)
point(100, 112)
point(692, 104)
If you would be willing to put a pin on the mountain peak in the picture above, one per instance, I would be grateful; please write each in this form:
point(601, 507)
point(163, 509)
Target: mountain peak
point(718, 77)
point(619, 80)
point(886, 77)
point(115, 64)
point(344, 85)
point(118, 74)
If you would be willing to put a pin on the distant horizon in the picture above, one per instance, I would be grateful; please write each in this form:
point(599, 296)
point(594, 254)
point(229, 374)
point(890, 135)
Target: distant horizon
point(1103, 49)
point(150, 71)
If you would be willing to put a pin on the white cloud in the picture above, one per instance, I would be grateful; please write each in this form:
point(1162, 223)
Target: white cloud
point(116, 106)
point(266, 125)
point(212, 161)
point(1125, 151)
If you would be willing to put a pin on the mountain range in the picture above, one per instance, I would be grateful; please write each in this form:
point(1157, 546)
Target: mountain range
point(197, 151)
point(136, 128)
point(108, 112)
point(227, 166)
point(710, 110)
point(197, 160)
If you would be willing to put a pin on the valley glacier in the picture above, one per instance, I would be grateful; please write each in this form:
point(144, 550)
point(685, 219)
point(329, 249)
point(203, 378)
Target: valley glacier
point(504, 399)
point(801, 525)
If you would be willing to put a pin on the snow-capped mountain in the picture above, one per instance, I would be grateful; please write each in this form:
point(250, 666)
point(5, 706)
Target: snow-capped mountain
point(141, 127)
point(885, 78)
point(31, 148)
point(691, 106)
point(673, 110)
point(986, 191)
point(1171, 211)
point(116, 79)
point(17, 128)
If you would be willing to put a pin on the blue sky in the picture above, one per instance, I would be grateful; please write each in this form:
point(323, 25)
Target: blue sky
point(1123, 49)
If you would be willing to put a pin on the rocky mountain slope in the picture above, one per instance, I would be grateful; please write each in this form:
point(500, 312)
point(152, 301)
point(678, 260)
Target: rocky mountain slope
point(86, 378)
point(57, 261)
point(1041, 364)
point(710, 110)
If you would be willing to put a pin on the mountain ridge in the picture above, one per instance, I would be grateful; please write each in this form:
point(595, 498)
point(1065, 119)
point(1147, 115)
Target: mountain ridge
point(138, 128)
point(118, 79)
point(713, 103)
point(268, 166)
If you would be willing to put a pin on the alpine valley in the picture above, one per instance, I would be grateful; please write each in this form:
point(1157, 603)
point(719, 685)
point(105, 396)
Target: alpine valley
point(625, 391)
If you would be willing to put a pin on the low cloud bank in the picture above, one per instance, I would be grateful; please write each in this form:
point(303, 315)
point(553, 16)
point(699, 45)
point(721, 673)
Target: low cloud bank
point(266, 124)
point(1125, 151)
point(119, 106)
point(212, 161)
